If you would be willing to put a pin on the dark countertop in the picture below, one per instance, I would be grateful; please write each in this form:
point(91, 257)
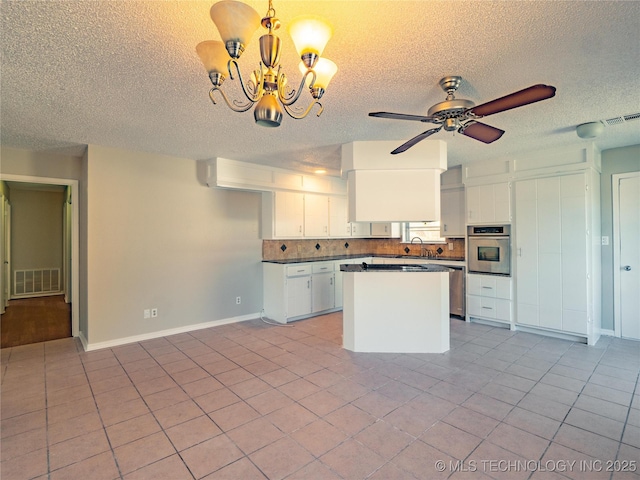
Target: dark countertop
point(361, 255)
point(364, 267)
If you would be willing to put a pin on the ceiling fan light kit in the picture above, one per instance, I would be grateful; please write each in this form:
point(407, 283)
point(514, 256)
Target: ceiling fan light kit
point(590, 129)
point(461, 115)
point(267, 88)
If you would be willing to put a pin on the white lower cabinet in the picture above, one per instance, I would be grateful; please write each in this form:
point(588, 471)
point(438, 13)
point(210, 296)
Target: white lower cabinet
point(298, 296)
point(490, 297)
point(323, 289)
point(299, 290)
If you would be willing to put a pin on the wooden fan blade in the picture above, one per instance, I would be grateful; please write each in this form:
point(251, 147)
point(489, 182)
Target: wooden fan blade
point(418, 138)
point(402, 116)
point(481, 131)
point(529, 95)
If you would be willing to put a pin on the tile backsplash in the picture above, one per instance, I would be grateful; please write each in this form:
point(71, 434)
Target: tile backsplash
point(318, 248)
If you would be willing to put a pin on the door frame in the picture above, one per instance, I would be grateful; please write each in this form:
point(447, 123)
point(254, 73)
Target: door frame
point(75, 238)
point(615, 201)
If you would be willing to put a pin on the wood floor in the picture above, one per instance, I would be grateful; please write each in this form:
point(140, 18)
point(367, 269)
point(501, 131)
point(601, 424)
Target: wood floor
point(33, 320)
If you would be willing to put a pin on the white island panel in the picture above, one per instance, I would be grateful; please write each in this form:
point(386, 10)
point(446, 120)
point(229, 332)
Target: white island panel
point(403, 312)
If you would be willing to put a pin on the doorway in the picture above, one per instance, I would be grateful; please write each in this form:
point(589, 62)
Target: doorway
point(626, 254)
point(56, 303)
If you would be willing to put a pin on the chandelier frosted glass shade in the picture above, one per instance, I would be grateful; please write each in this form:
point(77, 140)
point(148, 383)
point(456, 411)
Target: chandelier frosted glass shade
point(236, 22)
point(325, 70)
point(214, 56)
point(310, 34)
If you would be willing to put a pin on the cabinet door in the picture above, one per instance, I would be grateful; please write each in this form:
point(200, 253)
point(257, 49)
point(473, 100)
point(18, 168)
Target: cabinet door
point(385, 230)
point(501, 203)
point(289, 214)
point(360, 229)
point(316, 216)
point(298, 296)
point(323, 292)
point(338, 225)
point(452, 212)
point(473, 204)
point(489, 203)
point(526, 242)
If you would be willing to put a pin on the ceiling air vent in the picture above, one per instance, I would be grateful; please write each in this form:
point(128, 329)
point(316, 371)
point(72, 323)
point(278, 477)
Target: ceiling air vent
point(623, 119)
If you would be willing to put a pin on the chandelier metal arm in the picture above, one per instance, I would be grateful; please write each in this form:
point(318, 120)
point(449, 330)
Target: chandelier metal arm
point(291, 113)
point(252, 97)
point(235, 106)
point(293, 97)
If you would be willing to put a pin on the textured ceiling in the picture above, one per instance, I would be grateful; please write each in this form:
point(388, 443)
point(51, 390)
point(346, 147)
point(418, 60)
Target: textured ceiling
point(125, 74)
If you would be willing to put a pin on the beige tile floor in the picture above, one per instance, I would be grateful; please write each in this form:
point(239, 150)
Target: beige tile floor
point(253, 401)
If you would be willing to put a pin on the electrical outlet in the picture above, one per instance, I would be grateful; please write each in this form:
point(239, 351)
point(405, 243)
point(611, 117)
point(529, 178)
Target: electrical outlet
point(154, 312)
point(450, 246)
point(238, 300)
point(147, 313)
point(605, 240)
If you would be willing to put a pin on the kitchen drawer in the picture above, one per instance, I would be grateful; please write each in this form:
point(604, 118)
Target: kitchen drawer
point(494, 308)
point(489, 286)
point(298, 270)
point(322, 267)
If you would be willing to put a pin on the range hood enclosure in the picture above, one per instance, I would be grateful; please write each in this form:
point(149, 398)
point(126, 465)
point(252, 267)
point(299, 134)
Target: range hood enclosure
point(393, 188)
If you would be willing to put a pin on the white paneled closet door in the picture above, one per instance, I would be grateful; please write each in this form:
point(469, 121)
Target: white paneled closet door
point(550, 271)
point(551, 253)
point(627, 225)
point(526, 242)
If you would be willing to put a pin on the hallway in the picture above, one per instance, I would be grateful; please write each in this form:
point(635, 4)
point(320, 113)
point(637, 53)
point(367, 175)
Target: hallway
point(33, 320)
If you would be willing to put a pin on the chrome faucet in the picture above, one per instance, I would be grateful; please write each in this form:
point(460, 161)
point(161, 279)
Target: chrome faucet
point(422, 249)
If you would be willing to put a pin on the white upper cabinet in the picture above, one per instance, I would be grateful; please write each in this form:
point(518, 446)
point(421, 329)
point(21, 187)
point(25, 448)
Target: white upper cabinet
point(452, 218)
point(389, 230)
point(338, 225)
point(282, 215)
point(489, 203)
point(316, 216)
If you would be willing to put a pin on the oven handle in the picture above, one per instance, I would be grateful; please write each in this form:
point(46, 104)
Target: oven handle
point(492, 237)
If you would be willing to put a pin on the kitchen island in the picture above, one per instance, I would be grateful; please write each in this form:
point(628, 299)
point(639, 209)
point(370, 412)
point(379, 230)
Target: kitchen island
point(395, 308)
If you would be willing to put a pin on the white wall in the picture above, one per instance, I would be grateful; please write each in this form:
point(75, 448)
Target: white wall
point(615, 160)
point(157, 237)
point(40, 164)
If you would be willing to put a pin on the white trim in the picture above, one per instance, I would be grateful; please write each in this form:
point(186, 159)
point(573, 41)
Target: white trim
point(75, 237)
point(165, 333)
point(608, 333)
point(615, 201)
point(550, 333)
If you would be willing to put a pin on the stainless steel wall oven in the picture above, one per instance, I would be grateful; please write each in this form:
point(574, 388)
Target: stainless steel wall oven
point(489, 249)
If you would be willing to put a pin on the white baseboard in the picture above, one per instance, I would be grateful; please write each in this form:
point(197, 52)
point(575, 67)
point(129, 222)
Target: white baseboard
point(607, 333)
point(162, 333)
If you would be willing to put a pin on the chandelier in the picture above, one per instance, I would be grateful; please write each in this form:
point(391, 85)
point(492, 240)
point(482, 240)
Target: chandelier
point(267, 88)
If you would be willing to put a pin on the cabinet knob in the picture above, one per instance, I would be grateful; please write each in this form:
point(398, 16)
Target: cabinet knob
point(627, 268)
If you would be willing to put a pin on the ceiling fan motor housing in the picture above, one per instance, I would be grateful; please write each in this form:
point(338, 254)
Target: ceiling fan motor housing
point(453, 109)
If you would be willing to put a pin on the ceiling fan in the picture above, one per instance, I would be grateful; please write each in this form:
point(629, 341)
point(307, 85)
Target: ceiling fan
point(462, 115)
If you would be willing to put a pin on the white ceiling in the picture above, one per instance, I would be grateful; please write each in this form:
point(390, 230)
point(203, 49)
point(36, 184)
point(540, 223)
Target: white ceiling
point(125, 74)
